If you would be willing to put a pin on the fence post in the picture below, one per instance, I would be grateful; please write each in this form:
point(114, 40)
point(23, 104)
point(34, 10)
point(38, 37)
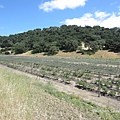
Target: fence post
point(31, 68)
point(99, 77)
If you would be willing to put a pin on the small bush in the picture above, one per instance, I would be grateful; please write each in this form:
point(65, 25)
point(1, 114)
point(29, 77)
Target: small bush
point(7, 53)
point(53, 50)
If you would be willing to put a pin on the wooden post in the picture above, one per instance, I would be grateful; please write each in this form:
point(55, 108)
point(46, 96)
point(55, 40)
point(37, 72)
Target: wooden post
point(99, 77)
point(31, 68)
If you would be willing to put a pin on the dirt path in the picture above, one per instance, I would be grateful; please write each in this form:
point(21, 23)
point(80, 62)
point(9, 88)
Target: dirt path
point(70, 89)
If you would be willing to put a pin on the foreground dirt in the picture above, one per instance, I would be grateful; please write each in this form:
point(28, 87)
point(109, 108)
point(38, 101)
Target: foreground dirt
point(83, 94)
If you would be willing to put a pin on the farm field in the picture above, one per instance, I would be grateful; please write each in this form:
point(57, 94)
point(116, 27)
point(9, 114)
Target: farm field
point(101, 76)
point(85, 73)
point(27, 98)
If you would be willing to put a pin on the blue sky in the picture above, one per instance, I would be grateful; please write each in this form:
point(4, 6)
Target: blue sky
point(18, 16)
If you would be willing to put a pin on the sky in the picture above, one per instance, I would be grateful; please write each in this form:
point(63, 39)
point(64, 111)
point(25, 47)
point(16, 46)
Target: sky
point(17, 16)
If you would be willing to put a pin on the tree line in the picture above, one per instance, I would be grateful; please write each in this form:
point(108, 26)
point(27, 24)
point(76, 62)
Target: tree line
point(66, 38)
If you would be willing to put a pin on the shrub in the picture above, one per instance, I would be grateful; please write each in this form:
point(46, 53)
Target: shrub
point(53, 50)
point(7, 53)
point(36, 50)
point(105, 90)
point(112, 93)
point(19, 48)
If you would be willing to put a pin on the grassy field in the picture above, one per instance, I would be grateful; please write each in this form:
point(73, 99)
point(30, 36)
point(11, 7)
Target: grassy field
point(25, 98)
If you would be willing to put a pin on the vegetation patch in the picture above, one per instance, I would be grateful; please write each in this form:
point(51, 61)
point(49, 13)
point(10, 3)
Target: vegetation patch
point(65, 38)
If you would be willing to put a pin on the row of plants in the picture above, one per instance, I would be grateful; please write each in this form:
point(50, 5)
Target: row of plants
point(106, 66)
point(83, 79)
point(109, 87)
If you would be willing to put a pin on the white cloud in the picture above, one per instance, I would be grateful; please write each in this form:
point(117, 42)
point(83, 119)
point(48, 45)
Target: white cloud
point(108, 20)
point(86, 19)
point(112, 21)
point(1, 6)
point(21, 32)
point(101, 15)
point(61, 4)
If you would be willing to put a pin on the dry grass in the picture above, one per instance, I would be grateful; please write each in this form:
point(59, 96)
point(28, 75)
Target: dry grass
point(99, 54)
point(22, 99)
point(106, 54)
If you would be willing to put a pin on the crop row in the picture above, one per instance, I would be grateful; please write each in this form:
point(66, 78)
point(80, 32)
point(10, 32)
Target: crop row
point(105, 66)
point(106, 84)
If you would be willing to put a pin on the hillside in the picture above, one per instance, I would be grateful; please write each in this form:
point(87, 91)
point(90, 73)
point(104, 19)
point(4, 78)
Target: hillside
point(64, 38)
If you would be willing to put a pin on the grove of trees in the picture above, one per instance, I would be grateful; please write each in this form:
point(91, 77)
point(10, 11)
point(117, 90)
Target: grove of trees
point(66, 38)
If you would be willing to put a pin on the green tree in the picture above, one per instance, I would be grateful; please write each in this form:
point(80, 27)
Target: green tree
point(5, 43)
point(53, 50)
point(68, 45)
point(19, 48)
point(94, 46)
